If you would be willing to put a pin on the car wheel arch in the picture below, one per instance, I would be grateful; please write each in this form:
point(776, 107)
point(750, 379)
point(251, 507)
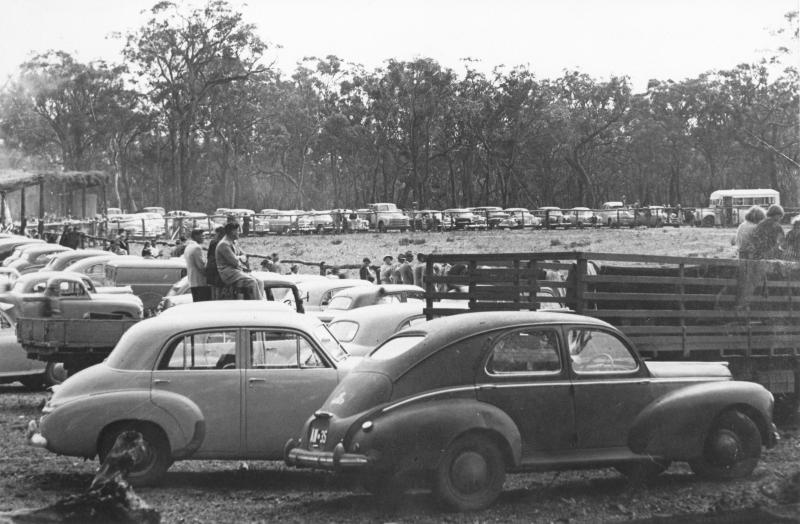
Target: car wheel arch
point(115, 426)
point(511, 459)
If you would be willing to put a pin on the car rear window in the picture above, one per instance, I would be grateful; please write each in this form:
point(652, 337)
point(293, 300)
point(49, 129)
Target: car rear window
point(340, 303)
point(395, 347)
point(344, 330)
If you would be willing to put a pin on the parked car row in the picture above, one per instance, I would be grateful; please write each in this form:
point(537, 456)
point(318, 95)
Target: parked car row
point(385, 217)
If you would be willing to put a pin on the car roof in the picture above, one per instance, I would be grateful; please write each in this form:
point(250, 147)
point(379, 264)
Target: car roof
point(96, 259)
point(442, 332)
point(359, 291)
point(45, 248)
point(380, 313)
point(217, 307)
point(134, 261)
point(47, 275)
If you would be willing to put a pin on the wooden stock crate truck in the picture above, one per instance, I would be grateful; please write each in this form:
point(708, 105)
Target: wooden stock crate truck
point(672, 308)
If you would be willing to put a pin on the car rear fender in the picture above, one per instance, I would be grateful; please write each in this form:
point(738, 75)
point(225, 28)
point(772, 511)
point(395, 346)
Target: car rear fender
point(414, 436)
point(675, 425)
point(74, 428)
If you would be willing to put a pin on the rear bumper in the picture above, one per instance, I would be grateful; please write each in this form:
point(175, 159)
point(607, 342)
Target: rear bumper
point(335, 460)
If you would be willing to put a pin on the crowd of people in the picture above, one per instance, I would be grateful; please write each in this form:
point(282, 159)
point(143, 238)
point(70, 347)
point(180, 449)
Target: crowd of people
point(761, 237)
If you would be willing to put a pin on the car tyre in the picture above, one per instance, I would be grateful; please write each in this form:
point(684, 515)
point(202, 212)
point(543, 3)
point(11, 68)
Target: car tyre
point(642, 472)
point(157, 459)
point(708, 221)
point(731, 449)
point(470, 474)
point(54, 373)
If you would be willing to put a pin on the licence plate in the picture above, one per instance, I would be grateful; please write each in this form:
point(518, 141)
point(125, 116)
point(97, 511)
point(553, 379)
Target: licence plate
point(319, 434)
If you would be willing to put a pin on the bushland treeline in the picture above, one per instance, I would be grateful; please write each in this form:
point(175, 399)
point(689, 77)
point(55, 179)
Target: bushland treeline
point(197, 118)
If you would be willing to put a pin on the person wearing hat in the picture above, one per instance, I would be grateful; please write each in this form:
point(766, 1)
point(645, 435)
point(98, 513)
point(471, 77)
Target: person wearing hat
point(385, 271)
point(397, 277)
point(196, 267)
point(768, 236)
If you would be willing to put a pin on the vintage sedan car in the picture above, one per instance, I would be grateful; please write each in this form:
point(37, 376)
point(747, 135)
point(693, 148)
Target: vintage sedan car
point(62, 260)
point(656, 216)
point(15, 364)
point(317, 293)
point(463, 218)
point(493, 216)
point(206, 382)
point(580, 216)
point(361, 296)
point(615, 214)
point(363, 329)
point(34, 257)
point(93, 267)
point(551, 216)
point(9, 244)
point(463, 399)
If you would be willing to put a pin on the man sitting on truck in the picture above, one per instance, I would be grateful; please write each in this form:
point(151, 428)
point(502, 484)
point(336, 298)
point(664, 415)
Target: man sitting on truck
point(232, 269)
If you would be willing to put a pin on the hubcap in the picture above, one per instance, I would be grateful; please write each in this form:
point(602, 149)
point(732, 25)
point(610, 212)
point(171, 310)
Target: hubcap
point(725, 448)
point(470, 472)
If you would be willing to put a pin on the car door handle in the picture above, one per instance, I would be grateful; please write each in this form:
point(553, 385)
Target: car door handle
point(254, 380)
point(160, 381)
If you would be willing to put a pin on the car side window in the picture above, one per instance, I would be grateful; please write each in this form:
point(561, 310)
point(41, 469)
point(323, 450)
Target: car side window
point(281, 350)
point(525, 351)
point(204, 351)
point(595, 351)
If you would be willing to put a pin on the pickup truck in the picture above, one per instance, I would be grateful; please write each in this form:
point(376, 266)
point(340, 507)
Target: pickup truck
point(615, 214)
point(673, 308)
point(383, 216)
point(69, 322)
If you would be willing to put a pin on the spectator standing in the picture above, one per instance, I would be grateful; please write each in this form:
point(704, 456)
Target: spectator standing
point(196, 267)
point(277, 267)
point(116, 248)
point(768, 235)
point(294, 270)
point(397, 278)
point(212, 275)
point(406, 271)
point(231, 267)
point(419, 269)
point(122, 239)
point(385, 271)
point(365, 273)
point(744, 234)
point(792, 249)
point(180, 247)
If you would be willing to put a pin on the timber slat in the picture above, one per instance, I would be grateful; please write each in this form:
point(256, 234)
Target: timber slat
point(695, 313)
point(645, 279)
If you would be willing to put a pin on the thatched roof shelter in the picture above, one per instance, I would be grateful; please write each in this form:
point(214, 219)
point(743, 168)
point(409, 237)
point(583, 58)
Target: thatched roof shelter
point(14, 179)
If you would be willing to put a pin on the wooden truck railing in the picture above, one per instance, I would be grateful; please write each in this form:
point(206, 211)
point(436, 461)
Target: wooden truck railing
point(672, 308)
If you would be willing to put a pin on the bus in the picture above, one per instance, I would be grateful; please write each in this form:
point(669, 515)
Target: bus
point(730, 205)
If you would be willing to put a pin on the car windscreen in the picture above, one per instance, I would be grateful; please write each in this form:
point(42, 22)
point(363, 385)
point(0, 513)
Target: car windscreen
point(344, 330)
point(340, 303)
point(395, 347)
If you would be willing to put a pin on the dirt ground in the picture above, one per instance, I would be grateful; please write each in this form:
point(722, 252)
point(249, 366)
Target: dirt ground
point(230, 491)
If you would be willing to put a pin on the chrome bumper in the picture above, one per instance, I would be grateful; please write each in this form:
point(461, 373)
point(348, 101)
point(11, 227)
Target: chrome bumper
point(335, 460)
point(33, 437)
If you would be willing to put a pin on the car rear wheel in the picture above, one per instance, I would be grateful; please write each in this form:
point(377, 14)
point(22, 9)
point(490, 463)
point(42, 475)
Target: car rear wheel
point(708, 221)
point(54, 373)
point(643, 471)
point(156, 459)
point(470, 474)
point(731, 450)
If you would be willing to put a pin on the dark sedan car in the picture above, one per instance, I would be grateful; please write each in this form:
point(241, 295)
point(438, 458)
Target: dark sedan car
point(459, 401)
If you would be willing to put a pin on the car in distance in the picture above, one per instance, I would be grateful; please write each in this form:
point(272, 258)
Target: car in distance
point(205, 382)
point(62, 260)
point(523, 217)
point(361, 296)
point(615, 214)
point(463, 399)
point(34, 257)
point(15, 364)
point(580, 216)
point(363, 329)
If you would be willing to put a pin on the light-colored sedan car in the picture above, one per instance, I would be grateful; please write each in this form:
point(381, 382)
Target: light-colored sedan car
point(362, 296)
point(524, 217)
point(580, 216)
point(14, 362)
point(64, 259)
point(93, 267)
point(34, 257)
point(205, 382)
point(363, 329)
point(317, 293)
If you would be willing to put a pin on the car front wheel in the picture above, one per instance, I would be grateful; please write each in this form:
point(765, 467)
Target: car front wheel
point(470, 474)
point(155, 460)
point(731, 450)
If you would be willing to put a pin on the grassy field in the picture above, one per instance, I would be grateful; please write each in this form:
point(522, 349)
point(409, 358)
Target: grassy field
point(350, 249)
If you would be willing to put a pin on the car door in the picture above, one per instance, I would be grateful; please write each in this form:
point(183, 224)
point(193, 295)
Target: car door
point(525, 376)
point(611, 386)
point(286, 380)
point(73, 299)
point(203, 367)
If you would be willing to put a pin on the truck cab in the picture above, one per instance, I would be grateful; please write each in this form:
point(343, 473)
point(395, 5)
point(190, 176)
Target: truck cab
point(384, 216)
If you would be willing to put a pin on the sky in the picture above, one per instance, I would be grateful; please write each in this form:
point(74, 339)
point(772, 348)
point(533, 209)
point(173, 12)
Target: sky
point(641, 39)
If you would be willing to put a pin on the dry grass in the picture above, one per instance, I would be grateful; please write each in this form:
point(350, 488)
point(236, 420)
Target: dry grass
point(350, 249)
